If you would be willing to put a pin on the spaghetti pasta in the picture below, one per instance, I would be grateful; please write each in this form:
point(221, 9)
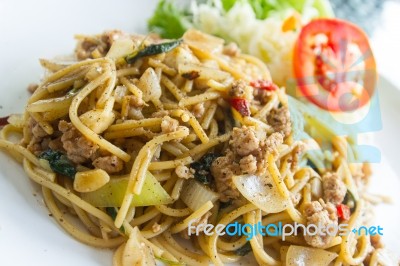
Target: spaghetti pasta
point(158, 121)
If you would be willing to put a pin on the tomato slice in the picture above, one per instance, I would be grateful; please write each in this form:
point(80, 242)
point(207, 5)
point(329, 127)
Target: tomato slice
point(334, 65)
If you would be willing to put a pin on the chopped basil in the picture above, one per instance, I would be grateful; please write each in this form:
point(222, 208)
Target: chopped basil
point(226, 204)
point(312, 165)
point(244, 250)
point(59, 163)
point(113, 214)
point(350, 201)
point(202, 168)
point(153, 49)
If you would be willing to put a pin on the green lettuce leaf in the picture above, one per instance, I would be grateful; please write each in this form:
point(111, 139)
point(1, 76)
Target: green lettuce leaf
point(169, 20)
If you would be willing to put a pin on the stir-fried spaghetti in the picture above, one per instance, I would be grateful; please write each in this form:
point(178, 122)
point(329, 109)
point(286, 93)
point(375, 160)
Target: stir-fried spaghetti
point(141, 138)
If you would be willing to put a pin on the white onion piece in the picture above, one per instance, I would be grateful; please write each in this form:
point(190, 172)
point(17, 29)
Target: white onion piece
point(120, 48)
point(99, 120)
point(149, 84)
point(262, 192)
point(305, 256)
point(203, 42)
point(203, 72)
point(91, 180)
point(195, 195)
point(136, 252)
point(17, 120)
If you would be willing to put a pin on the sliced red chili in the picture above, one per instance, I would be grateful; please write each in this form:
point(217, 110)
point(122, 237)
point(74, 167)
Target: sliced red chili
point(4, 121)
point(264, 85)
point(241, 105)
point(343, 212)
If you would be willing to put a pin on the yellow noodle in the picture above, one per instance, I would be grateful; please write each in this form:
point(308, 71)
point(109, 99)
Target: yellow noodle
point(209, 115)
point(200, 98)
point(133, 134)
point(173, 212)
point(192, 217)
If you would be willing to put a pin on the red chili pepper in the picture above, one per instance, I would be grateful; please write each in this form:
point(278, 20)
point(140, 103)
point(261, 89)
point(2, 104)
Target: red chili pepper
point(264, 85)
point(343, 212)
point(4, 121)
point(241, 105)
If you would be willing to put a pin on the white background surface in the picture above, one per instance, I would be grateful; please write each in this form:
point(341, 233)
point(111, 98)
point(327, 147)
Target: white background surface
point(42, 29)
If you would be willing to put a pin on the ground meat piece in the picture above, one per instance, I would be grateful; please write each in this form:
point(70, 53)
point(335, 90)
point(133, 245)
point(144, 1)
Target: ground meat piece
point(320, 214)
point(376, 241)
point(44, 145)
point(56, 144)
point(38, 131)
point(169, 124)
point(110, 36)
point(32, 87)
point(198, 110)
point(279, 119)
point(240, 89)
point(135, 101)
point(102, 43)
point(273, 142)
point(78, 148)
point(222, 169)
point(111, 164)
point(261, 97)
point(248, 164)
point(334, 189)
point(185, 172)
point(37, 135)
point(156, 227)
point(231, 49)
point(296, 155)
point(244, 141)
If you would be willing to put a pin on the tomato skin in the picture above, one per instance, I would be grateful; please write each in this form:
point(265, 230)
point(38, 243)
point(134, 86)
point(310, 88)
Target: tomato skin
point(308, 69)
point(241, 105)
point(343, 212)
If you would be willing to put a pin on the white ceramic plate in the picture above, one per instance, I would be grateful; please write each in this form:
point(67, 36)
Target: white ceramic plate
point(43, 29)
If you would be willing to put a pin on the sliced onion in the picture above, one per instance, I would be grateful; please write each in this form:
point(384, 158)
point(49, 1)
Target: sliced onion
point(136, 252)
point(262, 192)
point(99, 120)
point(17, 120)
point(203, 72)
point(194, 194)
point(91, 180)
point(149, 85)
point(203, 42)
point(301, 256)
point(120, 48)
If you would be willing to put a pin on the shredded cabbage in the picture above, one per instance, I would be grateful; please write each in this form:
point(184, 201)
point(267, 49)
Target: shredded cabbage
point(255, 25)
